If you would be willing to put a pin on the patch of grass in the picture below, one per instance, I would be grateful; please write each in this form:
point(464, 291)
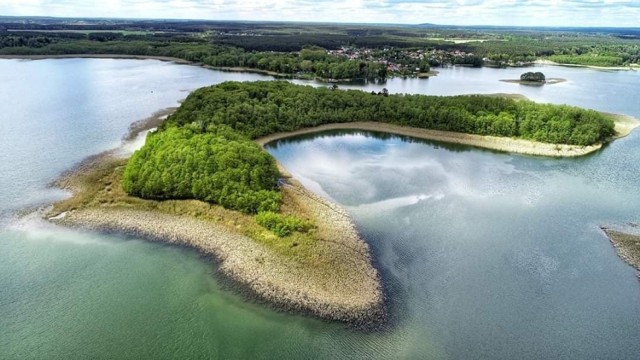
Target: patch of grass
point(282, 225)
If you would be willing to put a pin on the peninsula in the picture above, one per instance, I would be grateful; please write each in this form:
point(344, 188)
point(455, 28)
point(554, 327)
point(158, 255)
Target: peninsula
point(202, 180)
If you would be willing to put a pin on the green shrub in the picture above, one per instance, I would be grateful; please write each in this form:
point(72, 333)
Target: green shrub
point(282, 225)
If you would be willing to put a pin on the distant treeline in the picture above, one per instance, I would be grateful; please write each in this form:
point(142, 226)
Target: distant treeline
point(309, 62)
point(603, 47)
point(561, 47)
point(262, 108)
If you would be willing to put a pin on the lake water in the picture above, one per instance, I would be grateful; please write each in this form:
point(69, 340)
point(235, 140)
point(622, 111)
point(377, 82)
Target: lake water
point(486, 255)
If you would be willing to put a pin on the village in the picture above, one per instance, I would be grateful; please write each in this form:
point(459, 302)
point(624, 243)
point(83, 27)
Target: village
point(410, 62)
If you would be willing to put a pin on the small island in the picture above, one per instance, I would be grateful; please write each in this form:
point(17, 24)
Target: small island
point(203, 180)
point(535, 79)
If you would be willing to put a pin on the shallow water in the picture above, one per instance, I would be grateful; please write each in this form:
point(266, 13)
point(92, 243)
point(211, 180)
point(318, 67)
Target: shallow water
point(487, 255)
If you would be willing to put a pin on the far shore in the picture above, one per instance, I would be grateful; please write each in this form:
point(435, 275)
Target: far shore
point(624, 126)
point(185, 62)
point(99, 56)
point(632, 67)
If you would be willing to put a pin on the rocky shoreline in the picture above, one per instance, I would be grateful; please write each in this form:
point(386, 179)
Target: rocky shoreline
point(338, 284)
point(627, 245)
point(352, 293)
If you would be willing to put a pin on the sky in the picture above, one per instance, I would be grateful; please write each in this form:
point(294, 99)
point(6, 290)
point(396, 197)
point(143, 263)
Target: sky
point(620, 13)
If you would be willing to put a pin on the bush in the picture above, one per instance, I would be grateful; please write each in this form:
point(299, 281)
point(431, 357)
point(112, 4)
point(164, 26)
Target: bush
point(282, 225)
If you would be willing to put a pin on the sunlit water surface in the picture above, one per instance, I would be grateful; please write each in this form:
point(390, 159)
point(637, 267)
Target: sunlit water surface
point(486, 255)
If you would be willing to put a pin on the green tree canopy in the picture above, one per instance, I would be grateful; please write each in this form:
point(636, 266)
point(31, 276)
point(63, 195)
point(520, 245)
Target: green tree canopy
point(261, 108)
point(220, 167)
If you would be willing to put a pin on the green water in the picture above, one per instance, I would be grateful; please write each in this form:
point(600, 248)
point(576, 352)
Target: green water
point(485, 255)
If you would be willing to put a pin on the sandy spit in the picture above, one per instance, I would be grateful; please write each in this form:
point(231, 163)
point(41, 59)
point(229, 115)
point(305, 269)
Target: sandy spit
point(624, 124)
point(512, 145)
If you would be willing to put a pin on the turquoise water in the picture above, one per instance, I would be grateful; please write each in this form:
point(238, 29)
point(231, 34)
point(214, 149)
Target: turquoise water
point(486, 255)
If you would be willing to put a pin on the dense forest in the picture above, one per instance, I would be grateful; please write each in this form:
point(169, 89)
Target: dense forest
point(311, 61)
point(261, 108)
point(215, 165)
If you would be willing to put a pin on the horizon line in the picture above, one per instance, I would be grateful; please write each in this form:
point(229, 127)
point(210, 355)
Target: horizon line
point(320, 22)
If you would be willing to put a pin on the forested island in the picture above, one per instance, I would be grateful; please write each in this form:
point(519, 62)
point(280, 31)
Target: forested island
point(202, 180)
point(535, 79)
point(533, 76)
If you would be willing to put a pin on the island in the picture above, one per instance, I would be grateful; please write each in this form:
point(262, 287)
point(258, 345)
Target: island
point(535, 79)
point(203, 180)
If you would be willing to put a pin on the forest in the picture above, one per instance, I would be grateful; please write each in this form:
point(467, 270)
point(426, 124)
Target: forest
point(216, 165)
point(261, 108)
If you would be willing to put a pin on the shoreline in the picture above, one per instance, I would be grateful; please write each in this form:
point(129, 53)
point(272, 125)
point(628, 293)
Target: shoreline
point(99, 56)
point(631, 67)
point(185, 62)
point(624, 125)
point(337, 283)
point(351, 295)
point(626, 245)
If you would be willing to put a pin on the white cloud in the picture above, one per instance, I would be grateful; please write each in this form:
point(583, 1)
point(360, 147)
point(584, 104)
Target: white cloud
point(462, 12)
